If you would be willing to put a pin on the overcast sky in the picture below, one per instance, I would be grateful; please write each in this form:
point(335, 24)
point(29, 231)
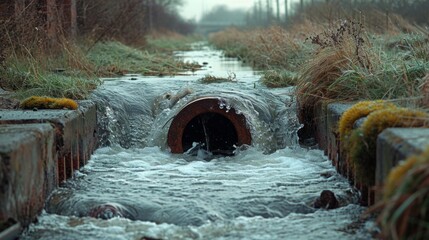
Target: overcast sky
point(193, 9)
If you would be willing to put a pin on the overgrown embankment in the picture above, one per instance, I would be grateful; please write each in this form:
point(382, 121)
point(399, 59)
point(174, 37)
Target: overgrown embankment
point(74, 69)
point(44, 51)
point(342, 60)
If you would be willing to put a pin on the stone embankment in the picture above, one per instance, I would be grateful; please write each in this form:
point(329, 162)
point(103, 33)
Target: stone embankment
point(38, 150)
point(393, 146)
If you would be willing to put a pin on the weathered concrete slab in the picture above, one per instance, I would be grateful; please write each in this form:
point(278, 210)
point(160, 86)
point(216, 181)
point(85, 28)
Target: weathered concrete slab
point(27, 170)
point(333, 115)
point(75, 132)
point(395, 145)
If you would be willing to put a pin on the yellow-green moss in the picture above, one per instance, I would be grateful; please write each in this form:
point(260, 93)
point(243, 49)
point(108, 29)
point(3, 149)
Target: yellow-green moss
point(396, 176)
point(359, 110)
point(397, 117)
point(363, 153)
point(405, 211)
point(347, 120)
point(48, 103)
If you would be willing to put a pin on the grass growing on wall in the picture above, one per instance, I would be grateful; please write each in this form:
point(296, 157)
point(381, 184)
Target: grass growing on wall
point(363, 140)
point(357, 111)
point(404, 213)
point(350, 139)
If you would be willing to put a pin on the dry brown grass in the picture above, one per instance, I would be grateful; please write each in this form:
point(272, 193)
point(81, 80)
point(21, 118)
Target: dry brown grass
point(339, 50)
point(375, 20)
point(269, 48)
point(232, 41)
point(405, 207)
point(274, 47)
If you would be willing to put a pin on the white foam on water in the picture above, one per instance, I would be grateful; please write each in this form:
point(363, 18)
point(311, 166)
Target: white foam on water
point(265, 191)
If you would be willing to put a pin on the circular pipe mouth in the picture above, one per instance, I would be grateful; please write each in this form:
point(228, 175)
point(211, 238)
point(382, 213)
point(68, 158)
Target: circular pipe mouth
point(204, 123)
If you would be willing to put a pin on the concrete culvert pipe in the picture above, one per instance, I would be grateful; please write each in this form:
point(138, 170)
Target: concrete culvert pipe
point(202, 121)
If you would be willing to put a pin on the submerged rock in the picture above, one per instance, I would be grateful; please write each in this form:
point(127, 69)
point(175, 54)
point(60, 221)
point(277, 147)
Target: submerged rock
point(107, 211)
point(327, 200)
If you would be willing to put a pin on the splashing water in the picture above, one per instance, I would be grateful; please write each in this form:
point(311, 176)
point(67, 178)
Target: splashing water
point(264, 191)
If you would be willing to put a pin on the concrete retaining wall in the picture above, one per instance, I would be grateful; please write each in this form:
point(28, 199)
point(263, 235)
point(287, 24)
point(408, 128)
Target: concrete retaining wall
point(39, 150)
point(27, 170)
point(393, 146)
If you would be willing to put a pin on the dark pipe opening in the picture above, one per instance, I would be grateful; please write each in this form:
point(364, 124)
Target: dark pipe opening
point(202, 121)
point(212, 132)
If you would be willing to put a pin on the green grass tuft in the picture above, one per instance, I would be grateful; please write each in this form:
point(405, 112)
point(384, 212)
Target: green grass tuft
point(207, 79)
point(279, 78)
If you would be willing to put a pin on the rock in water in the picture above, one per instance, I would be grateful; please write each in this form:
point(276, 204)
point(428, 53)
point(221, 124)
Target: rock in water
point(106, 211)
point(327, 200)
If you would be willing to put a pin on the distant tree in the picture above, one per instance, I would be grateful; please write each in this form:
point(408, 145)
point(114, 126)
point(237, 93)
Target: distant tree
point(129, 20)
point(221, 14)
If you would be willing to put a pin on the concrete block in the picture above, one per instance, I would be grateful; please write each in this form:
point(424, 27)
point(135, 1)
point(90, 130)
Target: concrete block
point(75, 132)
point(395, 145)
point(27, 170)
point(320, 133)
point(88, 137)
point(334, 113)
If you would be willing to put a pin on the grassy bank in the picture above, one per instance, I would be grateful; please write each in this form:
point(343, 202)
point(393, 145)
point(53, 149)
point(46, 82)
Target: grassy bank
point(170, 41)
point(278, 51)
point(341, 61)
point(114, 58)
point(73, 70)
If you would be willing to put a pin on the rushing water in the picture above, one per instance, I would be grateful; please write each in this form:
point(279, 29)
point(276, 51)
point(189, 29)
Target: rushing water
point(265, 191)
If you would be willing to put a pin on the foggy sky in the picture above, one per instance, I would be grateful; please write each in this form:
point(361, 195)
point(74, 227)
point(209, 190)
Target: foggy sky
point(193, 9)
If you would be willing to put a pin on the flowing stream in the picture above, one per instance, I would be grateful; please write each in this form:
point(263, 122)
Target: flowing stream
point(137, 189)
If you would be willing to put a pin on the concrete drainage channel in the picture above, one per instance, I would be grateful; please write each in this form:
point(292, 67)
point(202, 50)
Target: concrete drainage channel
point(40, 149)
point(393, 146)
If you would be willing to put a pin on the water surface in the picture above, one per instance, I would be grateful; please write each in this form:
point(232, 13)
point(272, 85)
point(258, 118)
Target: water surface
point(264, 191)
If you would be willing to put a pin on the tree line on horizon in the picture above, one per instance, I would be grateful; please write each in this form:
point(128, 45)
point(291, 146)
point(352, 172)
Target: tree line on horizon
point(267, 12)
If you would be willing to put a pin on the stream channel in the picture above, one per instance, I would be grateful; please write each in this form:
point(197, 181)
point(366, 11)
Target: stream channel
point(137, 189)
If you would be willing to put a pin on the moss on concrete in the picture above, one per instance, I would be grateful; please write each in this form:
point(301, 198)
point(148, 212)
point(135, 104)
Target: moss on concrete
point(48, 103)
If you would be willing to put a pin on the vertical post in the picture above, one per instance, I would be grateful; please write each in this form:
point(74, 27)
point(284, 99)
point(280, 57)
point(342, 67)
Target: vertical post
point(255, 14)
point(51, 19)
point(19, 7)
point(150, 15)
point(268, 11)
point(278, 10)
point(69, 20)
point(73, 18)
point(387, 21)
point(286, 10)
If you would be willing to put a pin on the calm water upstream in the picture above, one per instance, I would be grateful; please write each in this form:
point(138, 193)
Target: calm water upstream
point(264, 191)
